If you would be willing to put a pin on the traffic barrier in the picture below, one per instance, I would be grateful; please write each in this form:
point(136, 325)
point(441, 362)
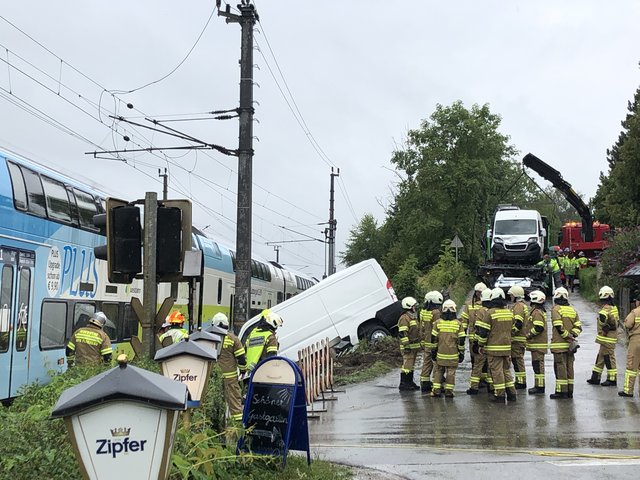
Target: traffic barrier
point(316, 363)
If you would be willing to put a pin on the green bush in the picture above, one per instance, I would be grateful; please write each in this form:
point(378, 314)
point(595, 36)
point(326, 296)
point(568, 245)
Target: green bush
point(624, 250)
point(448, 276)
point(589, 283)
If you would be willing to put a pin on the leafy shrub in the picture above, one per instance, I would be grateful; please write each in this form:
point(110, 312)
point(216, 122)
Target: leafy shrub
point(622, 252)
point(589, 283)
point(448, 276)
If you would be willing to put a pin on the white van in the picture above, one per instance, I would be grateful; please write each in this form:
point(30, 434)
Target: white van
point(518, 236)
point(358, 302)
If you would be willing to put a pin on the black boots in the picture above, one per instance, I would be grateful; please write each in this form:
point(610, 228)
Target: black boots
point(411, 382)
point(425, 387)
point(559, 395)
point(595, 379)
point(609, 383)
point(536, 390)
point(623, 394)
point(498, 399)
point(511, 396)
point(472, 391)
point(405, 384)
point(520, 386)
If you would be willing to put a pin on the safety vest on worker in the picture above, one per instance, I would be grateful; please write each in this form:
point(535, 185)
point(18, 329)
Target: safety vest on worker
point(406, 323)
point(570, 266)
point(494, 334)
point(88, 345)
point(583, 262)
point(260, 344)
point(427, 317)
point(173, 335)
point(448, 337)
point(232, 356)
point(608, 317)
point(565, 321)
point(520, 316)
point(552, 265)
point(536, 331)
point(632, 324)
point(468, 318)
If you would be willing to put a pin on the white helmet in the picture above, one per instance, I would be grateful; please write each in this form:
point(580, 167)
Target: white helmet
point(433, 296)
point(449, 306)
point(561, 292)
point(272, 318)
point(480, 287)
point(485, 296)
point(537, 297)
point(408, 303)
point(497, 293)
point(516, 291)
point(220, 320)
point(606, 292)
point(99, 319)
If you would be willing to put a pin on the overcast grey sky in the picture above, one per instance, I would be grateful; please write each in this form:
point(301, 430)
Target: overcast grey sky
point(361, 73)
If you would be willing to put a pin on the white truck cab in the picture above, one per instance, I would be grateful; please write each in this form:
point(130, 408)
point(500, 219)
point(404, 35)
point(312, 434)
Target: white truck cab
point(517, 236)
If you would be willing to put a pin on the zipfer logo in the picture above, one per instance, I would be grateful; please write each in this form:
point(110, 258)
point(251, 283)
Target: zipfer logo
point(115, 446)
point(185, 376)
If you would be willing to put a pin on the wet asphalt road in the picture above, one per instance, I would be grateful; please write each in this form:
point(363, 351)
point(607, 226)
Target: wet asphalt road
point(597, 435)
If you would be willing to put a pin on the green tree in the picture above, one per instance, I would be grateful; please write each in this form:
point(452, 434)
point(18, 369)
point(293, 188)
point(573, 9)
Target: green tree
point(617, 200)
point(364, 242)
point(405, 280)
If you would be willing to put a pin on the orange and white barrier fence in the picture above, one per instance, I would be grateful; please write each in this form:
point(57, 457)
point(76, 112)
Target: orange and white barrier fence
point(316, 363)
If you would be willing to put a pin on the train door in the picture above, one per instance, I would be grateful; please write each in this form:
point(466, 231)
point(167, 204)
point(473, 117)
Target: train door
point(16, 277)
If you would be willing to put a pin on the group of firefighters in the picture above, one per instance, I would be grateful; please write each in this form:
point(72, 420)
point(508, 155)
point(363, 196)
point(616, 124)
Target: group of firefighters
point(499, 334)
point(91, 345)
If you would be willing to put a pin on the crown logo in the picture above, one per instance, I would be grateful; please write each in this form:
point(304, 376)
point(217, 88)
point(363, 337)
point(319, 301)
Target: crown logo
point(185, 370)
point(120, 432)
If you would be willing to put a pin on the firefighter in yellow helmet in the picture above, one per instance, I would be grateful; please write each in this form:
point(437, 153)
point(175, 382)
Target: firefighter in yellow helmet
point(607, 337)
point(537, 339)
point(494, 337)
point(232, 359)
point(177, 332)
point(566, 328)
point(90, 344)
point(447, 336)
point(518, 335)
point(479, 369)
point(632, 325)
point(409, 334)
point(429, 314)
point(262, 341)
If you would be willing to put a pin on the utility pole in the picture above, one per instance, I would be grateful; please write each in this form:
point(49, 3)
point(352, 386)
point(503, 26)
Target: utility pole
point(277, 250)
point(165, 183)
point(332, 227)
point(150, 284)
point(242, 297)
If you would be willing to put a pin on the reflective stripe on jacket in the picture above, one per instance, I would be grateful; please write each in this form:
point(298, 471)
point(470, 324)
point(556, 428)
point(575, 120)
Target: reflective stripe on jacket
point(469, 317)
point(498, 325)
point(447, 336)
point(537, 331)
point(566, 322)
point(89, 345)
point(230, 354)
point(520, 314)
point(173, 335)
point(409, 331)
point(608, 317)
point(259, 345)
point(427, 317)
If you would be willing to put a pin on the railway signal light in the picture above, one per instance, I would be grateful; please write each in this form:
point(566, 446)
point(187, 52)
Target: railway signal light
point(123, 251)
point(173, 238)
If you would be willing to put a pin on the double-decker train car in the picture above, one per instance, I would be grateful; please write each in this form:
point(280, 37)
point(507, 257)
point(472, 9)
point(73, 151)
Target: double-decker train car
point(51, 283)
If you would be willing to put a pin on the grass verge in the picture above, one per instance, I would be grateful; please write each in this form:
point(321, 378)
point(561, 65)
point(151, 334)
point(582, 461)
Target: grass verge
point(367, 361)
point(589, 283)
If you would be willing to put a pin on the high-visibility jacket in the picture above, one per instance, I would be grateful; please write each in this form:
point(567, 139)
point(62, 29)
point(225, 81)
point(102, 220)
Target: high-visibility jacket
point(427, 317)
point(608, 317)
point(632, 324)
point(448, 338)
point(582, 261)
point(536, 331)
point(566, 322)
point(552, 265)
point(520, 316)
point(570, 266)
point(260, 344)
point(494, 332)
point(468, 318)
point(232, 356)
point(409, 331)
point(173, 335)
point(89, 345)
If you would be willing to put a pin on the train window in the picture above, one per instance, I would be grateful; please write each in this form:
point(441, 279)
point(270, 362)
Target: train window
point(19, 190)
point(254, 269)
point(82, 312)
point(267, 271)
point(22, 329)
point(216, 250)
point(113, 326)
point(73, 206)
point(130, 322)
point(57, 200)
point(86, 209)
point(6, 292)
point(35, 194)
point(219, 291)
point(53, 325)
point(279, 297)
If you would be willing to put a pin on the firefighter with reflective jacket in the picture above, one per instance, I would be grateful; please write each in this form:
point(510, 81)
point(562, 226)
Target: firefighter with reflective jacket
point(176, 333)
point(518, 335)
point(537, 339)
point(262, 341)
point(409, 334)
point(632, 325)
point(447, 336)
point(474, 310)
point(429, 314)
point(607, 337)
point(232, 359)
point(566, 328)
point(90, 345)
point(494, 338)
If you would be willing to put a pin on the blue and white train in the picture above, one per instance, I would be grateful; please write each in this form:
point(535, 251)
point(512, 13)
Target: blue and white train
point(51, 283)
